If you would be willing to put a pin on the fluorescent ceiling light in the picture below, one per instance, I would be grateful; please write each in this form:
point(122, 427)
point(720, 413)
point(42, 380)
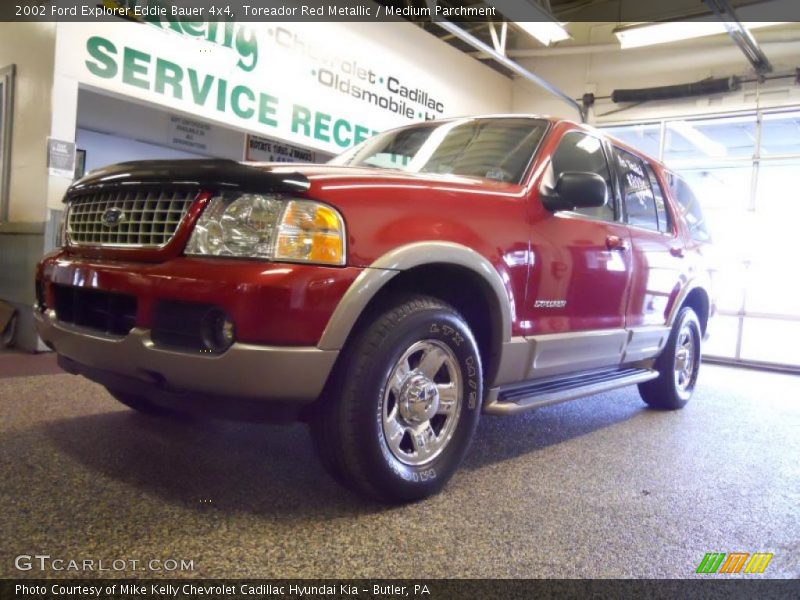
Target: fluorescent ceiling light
point(674, 31)
point(533, 19)
point(546, 32)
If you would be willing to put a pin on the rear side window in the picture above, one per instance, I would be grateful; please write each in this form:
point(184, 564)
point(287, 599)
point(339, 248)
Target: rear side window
point(578, 151)
point(637, 194)
point(689, 207)
point(664, 221)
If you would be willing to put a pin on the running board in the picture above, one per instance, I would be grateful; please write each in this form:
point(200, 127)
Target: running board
point(519, 397)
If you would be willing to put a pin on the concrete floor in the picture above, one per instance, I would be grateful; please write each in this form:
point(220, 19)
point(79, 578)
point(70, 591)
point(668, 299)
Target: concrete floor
point(600, 487)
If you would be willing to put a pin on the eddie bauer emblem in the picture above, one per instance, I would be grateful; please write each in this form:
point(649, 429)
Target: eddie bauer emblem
point(550, 304)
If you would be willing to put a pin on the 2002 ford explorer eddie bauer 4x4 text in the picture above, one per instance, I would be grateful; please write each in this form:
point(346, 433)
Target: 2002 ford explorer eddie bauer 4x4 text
point(387, 298)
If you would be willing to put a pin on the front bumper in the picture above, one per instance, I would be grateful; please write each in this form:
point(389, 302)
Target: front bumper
point(271, 304)
point(246, 371)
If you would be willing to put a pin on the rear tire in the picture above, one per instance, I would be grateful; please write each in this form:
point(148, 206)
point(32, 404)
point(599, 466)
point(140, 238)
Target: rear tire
point(678, 365)
point(404, 403)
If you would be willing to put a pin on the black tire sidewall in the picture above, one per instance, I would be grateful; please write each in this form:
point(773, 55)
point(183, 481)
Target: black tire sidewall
point(666, 365)
point(690, 318)
point(390, 476)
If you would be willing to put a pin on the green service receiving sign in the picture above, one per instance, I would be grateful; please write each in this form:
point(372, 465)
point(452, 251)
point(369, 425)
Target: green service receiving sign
point(326, 86)
point(140, 69)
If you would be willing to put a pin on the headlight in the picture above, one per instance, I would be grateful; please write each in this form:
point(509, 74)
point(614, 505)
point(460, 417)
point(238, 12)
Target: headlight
point(271, 227)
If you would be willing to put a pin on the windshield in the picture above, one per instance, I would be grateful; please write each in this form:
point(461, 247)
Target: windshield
point(498, 149)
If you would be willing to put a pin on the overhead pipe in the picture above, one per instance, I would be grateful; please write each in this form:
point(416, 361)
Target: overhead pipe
point(705, 87)
point(741, 36)
point(674, 92)
point(503, 60)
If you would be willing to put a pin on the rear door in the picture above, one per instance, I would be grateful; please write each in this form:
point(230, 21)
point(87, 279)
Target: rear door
point(657, 248)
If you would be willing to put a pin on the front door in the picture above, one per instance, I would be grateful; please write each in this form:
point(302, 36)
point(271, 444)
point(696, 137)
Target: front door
point(580, 281)
point(582, 258)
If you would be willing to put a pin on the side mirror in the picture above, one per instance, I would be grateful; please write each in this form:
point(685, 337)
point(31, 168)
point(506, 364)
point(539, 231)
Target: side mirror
point(577, 189)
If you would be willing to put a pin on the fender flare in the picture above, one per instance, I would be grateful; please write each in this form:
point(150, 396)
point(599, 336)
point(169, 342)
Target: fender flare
point(380, 272)
point(680, 298)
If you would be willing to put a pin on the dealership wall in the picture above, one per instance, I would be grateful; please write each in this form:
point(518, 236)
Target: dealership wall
point(145, 133)
point(111, 149)
point(599, 67)
point(29, 46)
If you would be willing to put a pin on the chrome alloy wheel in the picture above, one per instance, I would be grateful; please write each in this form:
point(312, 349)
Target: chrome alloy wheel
point(422, 402)
point(686, 357)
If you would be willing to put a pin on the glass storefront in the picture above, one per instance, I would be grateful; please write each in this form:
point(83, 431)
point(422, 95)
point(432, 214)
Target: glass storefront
point(745, 168)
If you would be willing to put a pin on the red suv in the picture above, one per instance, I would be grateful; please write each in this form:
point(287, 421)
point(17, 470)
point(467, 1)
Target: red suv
point(387, 298)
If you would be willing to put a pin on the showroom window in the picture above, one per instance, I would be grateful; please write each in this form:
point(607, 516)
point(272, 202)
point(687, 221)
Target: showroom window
point(690, 207)
point(736, 176)
point(580, 152)
point(646, 137)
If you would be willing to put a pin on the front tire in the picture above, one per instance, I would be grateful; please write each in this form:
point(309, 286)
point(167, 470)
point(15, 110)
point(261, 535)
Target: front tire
point(404, 403)
point(678, 365)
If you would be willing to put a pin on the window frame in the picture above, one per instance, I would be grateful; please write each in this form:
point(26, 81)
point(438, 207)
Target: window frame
point(7, 76)
point(669, 209)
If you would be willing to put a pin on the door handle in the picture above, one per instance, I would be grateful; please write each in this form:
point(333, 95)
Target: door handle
point(614, 242)
point(676, 251)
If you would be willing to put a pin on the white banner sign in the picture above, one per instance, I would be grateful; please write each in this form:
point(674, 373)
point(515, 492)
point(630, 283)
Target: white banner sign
point(61, 158)
point(188, 134)
point(259, 149)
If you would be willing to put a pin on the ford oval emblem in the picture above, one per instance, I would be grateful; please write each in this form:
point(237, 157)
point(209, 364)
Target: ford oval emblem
point(113, 217)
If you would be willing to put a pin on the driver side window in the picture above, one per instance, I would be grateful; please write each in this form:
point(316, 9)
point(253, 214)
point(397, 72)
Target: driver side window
point(578, 151)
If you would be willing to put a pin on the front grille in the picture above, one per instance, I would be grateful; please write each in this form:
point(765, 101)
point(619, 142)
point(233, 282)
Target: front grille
point(106, 312)
point(127, 218)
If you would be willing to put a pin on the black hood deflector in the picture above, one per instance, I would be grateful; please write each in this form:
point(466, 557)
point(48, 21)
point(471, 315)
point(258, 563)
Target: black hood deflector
point(204, 174)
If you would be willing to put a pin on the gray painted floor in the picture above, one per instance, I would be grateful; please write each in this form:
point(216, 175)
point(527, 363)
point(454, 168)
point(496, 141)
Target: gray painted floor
point(600, 487)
